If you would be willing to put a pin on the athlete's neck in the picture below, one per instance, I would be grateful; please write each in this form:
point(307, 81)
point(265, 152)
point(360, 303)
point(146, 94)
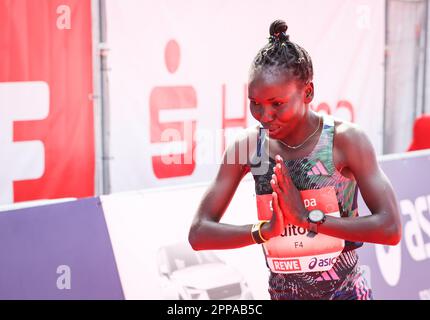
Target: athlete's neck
point(304, 128)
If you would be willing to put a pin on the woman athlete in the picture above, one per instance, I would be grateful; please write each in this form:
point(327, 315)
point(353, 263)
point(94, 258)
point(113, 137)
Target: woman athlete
point(307, 198)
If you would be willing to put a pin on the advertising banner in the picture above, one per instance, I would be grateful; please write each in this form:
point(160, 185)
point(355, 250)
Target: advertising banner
point(401, 272)
point(46, 109)
point(57, 251)
point(178, 73)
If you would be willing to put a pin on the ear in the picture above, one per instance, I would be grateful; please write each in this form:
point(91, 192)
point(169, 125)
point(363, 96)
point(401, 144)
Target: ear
point(309, 92)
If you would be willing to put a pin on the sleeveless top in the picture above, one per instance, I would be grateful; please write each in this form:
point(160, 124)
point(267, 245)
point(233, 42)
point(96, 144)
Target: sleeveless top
point(314, 171)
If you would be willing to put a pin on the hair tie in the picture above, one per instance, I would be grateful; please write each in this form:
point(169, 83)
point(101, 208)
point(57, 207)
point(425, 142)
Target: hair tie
point(279, 37)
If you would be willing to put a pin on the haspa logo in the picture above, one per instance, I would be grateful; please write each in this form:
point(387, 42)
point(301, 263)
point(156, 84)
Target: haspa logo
point(322, 262)
point(310, 202)
point(287, 265)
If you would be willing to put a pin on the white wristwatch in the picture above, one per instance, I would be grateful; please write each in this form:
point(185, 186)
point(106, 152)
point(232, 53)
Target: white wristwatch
point(315, 218)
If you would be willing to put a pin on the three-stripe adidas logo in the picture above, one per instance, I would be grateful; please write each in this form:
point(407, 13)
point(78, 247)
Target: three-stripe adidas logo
point(318, 170)
point(328, 275)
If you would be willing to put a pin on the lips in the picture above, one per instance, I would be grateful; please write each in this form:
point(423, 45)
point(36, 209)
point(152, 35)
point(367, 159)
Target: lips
point(273, 129)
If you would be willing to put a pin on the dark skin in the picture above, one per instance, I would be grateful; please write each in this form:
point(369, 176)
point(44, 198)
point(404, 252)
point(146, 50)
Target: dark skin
point(282, 105)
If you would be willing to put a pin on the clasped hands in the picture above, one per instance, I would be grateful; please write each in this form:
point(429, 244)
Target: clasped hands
point(287, 203)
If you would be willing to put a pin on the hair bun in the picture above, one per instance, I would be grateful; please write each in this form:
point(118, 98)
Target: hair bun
point(278, 26)
point(277, 30)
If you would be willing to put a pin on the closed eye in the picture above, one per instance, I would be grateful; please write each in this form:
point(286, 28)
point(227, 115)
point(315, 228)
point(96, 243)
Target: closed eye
point(276, 103)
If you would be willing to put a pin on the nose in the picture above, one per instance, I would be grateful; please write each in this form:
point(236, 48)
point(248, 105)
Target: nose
point(267, 114)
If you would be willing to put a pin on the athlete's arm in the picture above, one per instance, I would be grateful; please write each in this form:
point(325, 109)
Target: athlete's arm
point(206, 232)
point(383, 226)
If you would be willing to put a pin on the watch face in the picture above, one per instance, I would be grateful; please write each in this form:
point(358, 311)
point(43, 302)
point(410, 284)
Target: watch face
point(316, 216)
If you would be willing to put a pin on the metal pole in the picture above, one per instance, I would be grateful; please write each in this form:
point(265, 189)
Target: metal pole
point(426, 32)
point(386, 54)
point(105, 119)
point(96, 97)
point(416, 71)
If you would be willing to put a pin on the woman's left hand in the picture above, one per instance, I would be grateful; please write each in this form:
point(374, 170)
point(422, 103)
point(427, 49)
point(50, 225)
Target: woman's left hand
point(289, 197)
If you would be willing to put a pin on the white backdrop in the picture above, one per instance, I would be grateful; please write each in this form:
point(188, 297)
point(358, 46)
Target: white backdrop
point(212, 46)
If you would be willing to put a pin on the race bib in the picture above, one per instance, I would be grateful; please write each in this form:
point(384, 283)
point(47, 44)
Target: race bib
point(294, 251)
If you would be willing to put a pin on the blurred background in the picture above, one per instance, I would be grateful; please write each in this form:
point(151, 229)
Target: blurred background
point(89, 88)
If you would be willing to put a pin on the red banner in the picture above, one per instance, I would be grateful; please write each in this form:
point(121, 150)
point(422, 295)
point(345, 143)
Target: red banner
point(47, 42)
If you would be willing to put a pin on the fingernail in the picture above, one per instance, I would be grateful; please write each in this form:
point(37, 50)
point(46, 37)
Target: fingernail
point(279, 166)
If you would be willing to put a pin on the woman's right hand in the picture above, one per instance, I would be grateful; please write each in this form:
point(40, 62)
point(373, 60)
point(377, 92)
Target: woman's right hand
point(276, 225)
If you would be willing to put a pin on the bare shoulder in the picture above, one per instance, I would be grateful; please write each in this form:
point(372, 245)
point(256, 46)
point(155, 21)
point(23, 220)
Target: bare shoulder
point(352, 147)
point(243, 145)
point(350, 136)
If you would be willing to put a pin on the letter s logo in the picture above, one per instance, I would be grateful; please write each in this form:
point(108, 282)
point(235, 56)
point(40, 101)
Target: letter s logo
point(313, 263)
point(21, 102)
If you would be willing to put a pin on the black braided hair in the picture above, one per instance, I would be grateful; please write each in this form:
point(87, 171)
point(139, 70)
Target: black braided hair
point(283, 54)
